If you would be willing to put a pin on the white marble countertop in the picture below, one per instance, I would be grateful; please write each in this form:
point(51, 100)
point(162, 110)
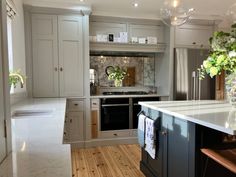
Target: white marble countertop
point(38, 149)
point(218, 115)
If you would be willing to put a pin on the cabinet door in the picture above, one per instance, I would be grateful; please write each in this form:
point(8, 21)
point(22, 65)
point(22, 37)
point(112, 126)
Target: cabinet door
point(45, 56)
point(71, 56)
point(107, 28)
point(193, 35)
point(94, 123)
point(76, 130)
point(2, 116)
point(147, 31)
point(180, 145)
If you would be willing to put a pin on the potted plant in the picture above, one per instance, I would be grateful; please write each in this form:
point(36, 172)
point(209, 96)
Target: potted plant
point(117, 74)
point(16, 77)
point(222, 58)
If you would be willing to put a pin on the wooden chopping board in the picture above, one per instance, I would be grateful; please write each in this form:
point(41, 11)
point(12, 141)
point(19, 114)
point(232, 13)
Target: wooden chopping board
point(129, 79)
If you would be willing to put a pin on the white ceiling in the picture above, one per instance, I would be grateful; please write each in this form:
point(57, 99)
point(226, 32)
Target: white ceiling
point(148, 9)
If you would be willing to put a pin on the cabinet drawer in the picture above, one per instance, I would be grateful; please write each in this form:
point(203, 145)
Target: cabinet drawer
point(193, 35)
point(115, 134)
point(75, 105)
point(95, 104)
point(135, 132)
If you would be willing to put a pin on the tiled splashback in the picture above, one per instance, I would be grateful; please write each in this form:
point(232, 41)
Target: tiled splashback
point(144, 69)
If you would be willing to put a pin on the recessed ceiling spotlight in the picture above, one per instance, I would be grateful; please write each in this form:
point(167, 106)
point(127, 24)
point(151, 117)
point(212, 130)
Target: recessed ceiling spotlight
point(135, 4)
point(81, 0)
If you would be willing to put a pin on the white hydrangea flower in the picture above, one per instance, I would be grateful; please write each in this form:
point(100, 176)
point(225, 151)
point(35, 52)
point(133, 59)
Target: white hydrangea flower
point(232, 54)
point(232, 39)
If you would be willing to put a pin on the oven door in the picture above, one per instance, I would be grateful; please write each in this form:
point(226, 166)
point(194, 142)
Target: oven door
point(114, 114)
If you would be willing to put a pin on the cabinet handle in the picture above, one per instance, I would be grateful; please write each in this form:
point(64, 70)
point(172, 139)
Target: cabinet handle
point(75, 104)
point(194, 43)
point(55, 69)
point(70, 120)
point(115, 134)
point(164, 133)
point(61, 69)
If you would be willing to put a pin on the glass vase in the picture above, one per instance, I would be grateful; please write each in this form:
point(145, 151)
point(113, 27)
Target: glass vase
point(118, 83)
point(230, 85)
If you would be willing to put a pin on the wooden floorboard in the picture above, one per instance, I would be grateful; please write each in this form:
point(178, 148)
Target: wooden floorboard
point(107, 161)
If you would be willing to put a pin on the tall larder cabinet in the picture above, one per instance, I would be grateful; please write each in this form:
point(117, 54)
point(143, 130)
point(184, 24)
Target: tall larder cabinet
point(57, 55)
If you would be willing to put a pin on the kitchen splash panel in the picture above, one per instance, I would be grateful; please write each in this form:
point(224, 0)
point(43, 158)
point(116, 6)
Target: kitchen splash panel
point(144, 68)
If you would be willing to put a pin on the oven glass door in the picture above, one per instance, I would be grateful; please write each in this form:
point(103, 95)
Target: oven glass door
point(114, 114)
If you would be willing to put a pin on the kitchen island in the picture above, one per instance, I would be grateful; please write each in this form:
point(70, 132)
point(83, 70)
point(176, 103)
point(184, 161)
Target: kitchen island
point(185, 127)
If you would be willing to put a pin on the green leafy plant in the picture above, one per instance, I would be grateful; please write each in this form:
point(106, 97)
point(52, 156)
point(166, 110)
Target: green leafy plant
point(222, 56)
point(16, 77)
point(117, 74)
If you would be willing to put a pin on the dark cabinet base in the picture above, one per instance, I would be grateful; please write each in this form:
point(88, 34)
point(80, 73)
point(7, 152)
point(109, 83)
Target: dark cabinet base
point(146, 171)
point(176, 148)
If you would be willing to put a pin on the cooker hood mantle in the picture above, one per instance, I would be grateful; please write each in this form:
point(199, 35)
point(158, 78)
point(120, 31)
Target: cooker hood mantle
point(127, 47)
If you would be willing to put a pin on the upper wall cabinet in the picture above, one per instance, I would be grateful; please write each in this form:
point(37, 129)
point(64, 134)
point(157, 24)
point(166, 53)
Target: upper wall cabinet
point(45, 56)
point(57, 56)
point(193, 35)
point(147, 31)
point(107, 28)
point(148, 35)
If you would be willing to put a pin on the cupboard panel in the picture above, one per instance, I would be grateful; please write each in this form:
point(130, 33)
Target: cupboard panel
point(70, 56)
point(107, 28)
point(147, 31)
point(193, 35)
point(45, 56)
point(44, 25)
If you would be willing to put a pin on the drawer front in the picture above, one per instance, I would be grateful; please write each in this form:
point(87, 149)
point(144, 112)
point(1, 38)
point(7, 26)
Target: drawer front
point(135, 132)
point(95, 104)
point(75, 105)
point(115, 134)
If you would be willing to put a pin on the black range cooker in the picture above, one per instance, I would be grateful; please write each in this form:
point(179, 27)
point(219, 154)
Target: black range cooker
point(121, 113)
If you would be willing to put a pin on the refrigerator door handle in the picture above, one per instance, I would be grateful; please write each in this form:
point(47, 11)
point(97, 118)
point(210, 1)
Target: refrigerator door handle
point(199, 86)
point(194, 85)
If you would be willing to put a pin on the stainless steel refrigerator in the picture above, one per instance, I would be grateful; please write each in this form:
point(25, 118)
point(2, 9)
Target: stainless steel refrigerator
point(187, 85)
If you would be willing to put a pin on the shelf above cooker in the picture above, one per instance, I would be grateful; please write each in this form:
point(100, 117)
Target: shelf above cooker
point(127, 47)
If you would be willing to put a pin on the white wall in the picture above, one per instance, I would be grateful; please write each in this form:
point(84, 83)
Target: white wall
point(19, 49)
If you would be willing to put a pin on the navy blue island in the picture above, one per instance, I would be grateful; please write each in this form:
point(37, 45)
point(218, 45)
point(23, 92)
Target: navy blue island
point(185, 128)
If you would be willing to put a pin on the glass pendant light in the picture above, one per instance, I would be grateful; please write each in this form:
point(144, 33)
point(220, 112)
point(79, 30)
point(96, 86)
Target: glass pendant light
point(174, 14)
point(231, 13)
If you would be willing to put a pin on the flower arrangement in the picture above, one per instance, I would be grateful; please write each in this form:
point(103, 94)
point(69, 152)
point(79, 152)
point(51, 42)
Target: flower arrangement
point(117, 74)
point(222, 56)
point(16, 77)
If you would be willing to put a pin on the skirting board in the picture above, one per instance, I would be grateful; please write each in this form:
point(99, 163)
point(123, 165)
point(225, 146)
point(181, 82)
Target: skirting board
point(104, 142)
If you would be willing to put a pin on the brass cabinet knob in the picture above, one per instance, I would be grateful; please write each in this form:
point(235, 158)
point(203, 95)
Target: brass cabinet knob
point(164, 133)
point(61, 69)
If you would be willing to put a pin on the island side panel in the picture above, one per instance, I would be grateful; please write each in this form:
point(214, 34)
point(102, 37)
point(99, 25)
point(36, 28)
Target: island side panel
point(180, 145)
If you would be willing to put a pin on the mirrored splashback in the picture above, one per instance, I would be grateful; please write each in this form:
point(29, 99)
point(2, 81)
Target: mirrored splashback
point(140, 69)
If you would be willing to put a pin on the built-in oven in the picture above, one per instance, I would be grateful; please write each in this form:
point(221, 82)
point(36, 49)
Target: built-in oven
point(114, 113)
point(137, 108)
